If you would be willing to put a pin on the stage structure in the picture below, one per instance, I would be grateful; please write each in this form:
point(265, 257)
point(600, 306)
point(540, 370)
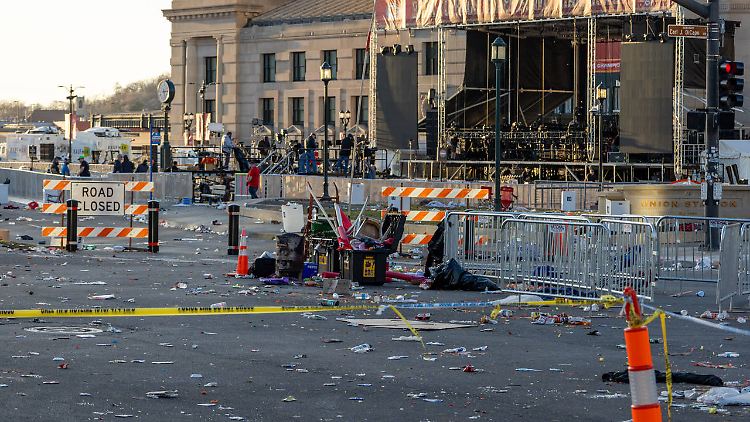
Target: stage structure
point(566, 36)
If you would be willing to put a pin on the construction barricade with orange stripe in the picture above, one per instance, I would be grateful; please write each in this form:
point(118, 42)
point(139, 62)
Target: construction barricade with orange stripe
point(71, 232)
point(417, 239)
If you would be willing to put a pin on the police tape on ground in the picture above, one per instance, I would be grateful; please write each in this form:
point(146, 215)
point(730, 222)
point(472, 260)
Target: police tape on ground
point(246, 310)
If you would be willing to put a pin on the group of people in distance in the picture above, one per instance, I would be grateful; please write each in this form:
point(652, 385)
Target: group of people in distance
point(83, 167)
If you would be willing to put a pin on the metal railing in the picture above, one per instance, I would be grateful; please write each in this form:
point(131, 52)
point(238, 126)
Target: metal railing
point(689, 248)
point(560, 259)
point(472, 239)
point(633, 250)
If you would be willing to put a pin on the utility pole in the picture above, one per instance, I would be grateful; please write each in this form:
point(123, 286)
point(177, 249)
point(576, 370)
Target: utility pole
point(710, 11)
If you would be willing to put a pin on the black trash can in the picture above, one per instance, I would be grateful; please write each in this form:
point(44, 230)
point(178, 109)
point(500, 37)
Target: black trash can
point(365, 267)
point(326, 255)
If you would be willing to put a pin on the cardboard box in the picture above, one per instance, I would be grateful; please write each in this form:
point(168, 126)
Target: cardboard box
point(5, 235)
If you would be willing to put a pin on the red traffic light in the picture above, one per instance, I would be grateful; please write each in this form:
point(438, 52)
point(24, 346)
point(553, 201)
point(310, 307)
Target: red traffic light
point(732, 68)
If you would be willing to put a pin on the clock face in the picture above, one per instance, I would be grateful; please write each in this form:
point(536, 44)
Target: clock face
point(165, 91)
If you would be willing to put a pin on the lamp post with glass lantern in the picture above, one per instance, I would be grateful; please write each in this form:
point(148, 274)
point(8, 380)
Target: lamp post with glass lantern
point(499, 55)
point(601, 96)
point(326, 74)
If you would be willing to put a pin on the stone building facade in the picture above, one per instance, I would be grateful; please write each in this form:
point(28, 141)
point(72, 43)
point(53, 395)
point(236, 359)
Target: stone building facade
point(259, 61)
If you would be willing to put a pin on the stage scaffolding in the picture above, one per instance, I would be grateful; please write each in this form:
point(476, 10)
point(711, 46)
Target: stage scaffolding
point(592, 35)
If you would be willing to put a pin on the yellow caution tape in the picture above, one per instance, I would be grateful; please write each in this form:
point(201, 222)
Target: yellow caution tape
point(182, 311)
point(606, 302)
point(412, 329)
point(667, 365)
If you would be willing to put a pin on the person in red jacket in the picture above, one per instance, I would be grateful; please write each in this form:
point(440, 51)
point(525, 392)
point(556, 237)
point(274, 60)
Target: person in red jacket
point(253, 180)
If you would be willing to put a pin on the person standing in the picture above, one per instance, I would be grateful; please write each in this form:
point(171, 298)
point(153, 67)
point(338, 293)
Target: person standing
point(117, 167)
point(264, 147)
point(311, 145)
point(253, 180)
point(127, 165)
point(83, 171)
point(65, 168)
point(54, 168)
point(227, 146)
point(346, 150)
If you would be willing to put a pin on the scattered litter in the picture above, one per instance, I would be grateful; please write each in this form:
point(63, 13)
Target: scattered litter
point(528, 370)
point(726, 396)
point(398, 357)
point(164, 394)
point(406, 338)
point(401, 325)
point(196, 376)
point(289, 399)
point(728, 355)
point(362, 348)
point(713, 365)
point(101, 297)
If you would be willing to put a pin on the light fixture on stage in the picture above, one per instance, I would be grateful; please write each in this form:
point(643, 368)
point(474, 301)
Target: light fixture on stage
point(396, 49)
point(409, 49)
point(385, 50)
point(663, 37)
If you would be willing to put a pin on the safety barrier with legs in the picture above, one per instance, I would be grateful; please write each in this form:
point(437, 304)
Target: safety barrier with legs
point(632, 250)
point(561, 259)
point(734, 279)
point(689, 248)
point(472, 238)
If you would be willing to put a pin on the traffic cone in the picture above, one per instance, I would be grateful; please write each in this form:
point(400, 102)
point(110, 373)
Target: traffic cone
point(243, 262)
point(643, 392)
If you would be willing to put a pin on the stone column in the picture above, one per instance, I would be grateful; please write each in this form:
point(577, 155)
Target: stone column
point(192, 81)
point(219, 79)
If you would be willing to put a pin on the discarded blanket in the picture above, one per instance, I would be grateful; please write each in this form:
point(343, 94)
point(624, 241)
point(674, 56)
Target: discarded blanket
point(661, 377)
point(451, 276)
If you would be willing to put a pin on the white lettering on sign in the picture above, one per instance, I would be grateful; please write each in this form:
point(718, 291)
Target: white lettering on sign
point(95, 198)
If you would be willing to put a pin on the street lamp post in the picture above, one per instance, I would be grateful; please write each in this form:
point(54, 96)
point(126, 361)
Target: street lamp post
point(601, 95)
point(345, 117)
point(71, 96)
point(326, 74)
point(499, 55)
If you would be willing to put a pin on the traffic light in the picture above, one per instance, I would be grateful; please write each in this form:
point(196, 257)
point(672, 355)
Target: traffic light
point(731, 84)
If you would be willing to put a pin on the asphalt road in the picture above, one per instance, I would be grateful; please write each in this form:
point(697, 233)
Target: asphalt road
point(258, 361)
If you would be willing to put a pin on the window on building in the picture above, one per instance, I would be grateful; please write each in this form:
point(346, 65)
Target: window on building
point(430, 58)
point(209, 106)
point(298, 66)
point(298, 111)
point(329, 56)
point(360, 58)
point(330, 105)
point(210, 76)
point(267, 106)
point(363, 117)
point(269, 67)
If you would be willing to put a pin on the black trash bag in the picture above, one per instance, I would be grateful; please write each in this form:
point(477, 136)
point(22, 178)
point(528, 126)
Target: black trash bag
point(264, 267)
point(661, 377)
point(451, 276)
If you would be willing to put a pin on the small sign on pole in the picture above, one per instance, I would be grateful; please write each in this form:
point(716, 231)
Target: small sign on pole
point(688, 31)
point(99, 198)
point(155, 137)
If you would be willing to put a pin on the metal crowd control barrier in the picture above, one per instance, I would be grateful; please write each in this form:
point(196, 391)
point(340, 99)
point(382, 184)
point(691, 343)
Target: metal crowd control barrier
point(561, 259)
point(687, 251)
point(734, 271)
point(632, 249)
point(553, 217)
point(743, 283)
point(471, 238)
point(595, 218)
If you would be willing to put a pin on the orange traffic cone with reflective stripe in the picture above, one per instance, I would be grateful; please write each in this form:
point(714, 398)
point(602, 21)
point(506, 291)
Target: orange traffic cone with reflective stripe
point(243, 262)
point(643, 392)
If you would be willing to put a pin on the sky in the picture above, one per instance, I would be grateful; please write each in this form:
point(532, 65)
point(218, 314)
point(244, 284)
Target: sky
point(91, 43)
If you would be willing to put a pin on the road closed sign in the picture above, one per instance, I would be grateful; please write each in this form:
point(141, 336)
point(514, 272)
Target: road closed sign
point(96, 198)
